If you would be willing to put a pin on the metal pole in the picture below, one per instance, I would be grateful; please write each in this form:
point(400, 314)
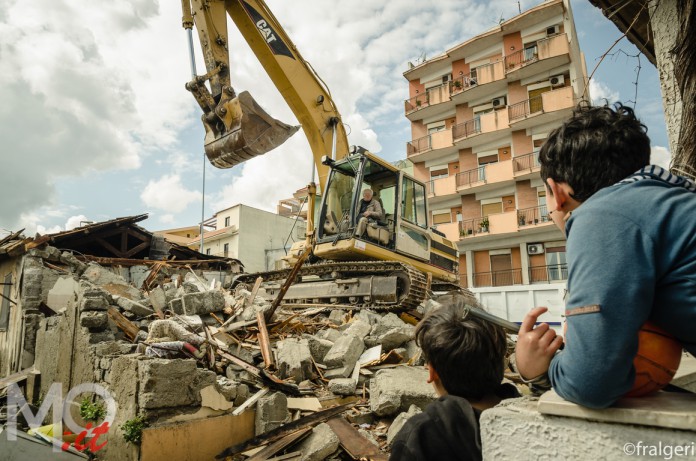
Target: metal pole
point(202, 203)
point(191, 55)
point(333, 142)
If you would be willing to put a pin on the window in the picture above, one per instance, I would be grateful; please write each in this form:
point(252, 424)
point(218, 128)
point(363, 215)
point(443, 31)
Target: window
point(226, 249)
point(227, 221)
point(439, 173)
point(530, 51)
point(5, 304)
point(413, 203)
point(556, 263)
point(442, 218)
point(207, 251)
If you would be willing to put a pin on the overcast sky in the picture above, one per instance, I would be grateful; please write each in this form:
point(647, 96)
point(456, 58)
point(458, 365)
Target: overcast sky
point(96, 123)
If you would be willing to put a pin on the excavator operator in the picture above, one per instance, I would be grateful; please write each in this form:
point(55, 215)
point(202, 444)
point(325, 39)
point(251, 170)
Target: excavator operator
point(370, 209)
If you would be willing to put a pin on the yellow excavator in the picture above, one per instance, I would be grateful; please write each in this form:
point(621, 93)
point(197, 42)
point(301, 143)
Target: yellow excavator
point(399, 258)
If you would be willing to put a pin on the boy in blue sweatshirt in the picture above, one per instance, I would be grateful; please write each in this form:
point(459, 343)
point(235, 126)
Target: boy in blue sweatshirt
point(631, 252)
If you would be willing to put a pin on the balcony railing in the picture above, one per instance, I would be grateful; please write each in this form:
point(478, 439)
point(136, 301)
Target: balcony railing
point(431, 96)
point(469, 177)
point(474, 226)
point(418, 145)
point(525, 108)
point(548, 273)
point(525, 162)
point(416, 102)
point(465, 129)
point(498, 278)
point(463, 83)
point(520, 58)
point(534, 215)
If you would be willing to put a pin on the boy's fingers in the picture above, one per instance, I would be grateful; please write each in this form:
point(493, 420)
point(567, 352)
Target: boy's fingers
point(555, 345)
point(548, 336)
point(531, 318)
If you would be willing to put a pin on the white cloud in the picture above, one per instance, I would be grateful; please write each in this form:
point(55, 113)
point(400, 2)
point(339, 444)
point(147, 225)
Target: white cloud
point(168, 194)
point(660, 156)
point(166, 218)
point(601, 93)
point(76, 221)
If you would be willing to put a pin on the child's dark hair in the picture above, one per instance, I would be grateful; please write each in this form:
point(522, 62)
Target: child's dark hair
point(597, 147)
point(467, 353)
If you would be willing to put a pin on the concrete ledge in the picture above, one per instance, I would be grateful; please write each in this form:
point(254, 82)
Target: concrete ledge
point(515, 430)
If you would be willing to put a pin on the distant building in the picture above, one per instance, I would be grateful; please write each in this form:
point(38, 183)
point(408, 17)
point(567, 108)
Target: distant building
point(257, 238)
point(479, 114)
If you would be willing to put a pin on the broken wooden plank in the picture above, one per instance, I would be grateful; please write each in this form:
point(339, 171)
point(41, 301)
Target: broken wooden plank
point(266, 378)
point(254, 291)
point(354, 443)
point(237, 325)
point(282, 431)
point(265, 342)
point(15, 377)
point(279, 445)
point(250, 401)
point(129, 328)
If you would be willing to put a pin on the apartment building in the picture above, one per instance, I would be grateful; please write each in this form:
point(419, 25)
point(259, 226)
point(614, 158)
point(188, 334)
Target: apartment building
point(479, 114)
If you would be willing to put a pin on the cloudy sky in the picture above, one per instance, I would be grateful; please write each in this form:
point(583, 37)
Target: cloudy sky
point(96, 123)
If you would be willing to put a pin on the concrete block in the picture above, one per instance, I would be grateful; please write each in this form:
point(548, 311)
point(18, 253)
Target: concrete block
point(320, 444)
point(271, 412)
point(138, 274)
point(63, 294)
point(99, 337)
point(243, 394)
point(400, 421)
point(337, 316)
point(94, 321)
point(515, 430)
point(101, 276)
point(227, 388)
point(294, 359)
point(171, 383)
point(342, 386)
point(77, 266)
point(203, 303)
point(133, 307)
point(345, 352)
point(413, 351)
point(359, 329)
point(329, 334)
point(368, 316)
point(340, 372)
point(318, 347)
point(94, 304)
point(192, 284)
point(396, 389)
point(158, 298)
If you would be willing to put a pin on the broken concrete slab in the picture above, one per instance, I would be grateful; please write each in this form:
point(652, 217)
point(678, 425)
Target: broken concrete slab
point(77, 266)
point(358, 328)
point(133, 307)
point(158, 299)
point(400, 421)
point(63, 294)
point(271, 412)
point(113, 283)
point(343, 386)
point(318, 347)
point(168, 383)
point(202, 303)
point(337, 316)
point(340, 372)
point(329, 334)
point(213, 399)
point(294, 359)
point(345, 352)
point(320, 444)
point(94, 321)
point(367, 316)
point(396, 389)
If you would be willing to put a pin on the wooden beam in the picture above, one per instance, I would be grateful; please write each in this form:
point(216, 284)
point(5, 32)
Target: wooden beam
point(280, 445)
point(265, 342)
point(354, 443)
point(128, 327)
point(115, 251)
point(136, 249)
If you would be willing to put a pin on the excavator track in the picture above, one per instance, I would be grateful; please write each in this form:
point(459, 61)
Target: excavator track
point(411, 284)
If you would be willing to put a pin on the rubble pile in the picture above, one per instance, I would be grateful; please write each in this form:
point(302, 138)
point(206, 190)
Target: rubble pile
point(173, 343)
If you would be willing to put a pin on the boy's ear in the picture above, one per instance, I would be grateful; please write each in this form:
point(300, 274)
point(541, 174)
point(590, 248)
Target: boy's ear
point(432, 374)
point(560, 193)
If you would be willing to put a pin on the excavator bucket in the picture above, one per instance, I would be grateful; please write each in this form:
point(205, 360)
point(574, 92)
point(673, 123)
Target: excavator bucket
point(252, 132)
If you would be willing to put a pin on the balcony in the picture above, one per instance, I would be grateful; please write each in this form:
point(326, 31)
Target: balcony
point(481, 129)
point(548, 273)
point(498, 278)
point(441, 187)
point(548, 54)
point(498, 224)
point(526, 166)
point(485, 177)
point(552, 105)
point(427, 104)
point(451, 230)
point(487, 79)
point(431, 146)
point(533, 216)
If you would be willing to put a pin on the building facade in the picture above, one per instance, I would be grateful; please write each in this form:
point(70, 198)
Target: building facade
point(479, 114)
point(256, 237)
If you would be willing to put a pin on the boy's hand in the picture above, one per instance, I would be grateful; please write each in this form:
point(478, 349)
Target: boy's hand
point(535, 346)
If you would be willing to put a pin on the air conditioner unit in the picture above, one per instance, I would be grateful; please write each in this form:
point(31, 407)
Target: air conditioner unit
point(446, 78)
point(472, 82)
point(535, 248)
point(498, 102)
point(557, 80)
point(553, 30)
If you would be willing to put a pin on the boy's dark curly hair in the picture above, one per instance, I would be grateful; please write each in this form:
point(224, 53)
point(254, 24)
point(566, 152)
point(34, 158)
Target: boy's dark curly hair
point(467, 353)
point(595, 148)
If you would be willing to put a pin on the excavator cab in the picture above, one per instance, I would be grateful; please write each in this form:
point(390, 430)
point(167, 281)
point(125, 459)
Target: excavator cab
point(339, 211)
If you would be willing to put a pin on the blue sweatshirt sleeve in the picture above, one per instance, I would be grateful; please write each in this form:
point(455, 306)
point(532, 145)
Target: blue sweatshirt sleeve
point(611, 265)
